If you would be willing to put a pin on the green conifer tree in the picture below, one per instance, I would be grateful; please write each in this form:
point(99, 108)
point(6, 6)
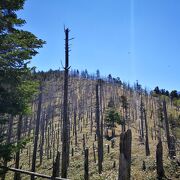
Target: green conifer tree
point(17, 47)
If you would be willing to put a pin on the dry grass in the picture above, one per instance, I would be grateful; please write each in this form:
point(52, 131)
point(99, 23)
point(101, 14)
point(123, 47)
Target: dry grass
point(76, 168)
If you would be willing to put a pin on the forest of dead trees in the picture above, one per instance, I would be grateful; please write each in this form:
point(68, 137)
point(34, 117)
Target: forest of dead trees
point(144, 118)
point(84, 126)
point(79, 125)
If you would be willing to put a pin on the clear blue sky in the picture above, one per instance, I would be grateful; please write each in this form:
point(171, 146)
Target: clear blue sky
point(130, 39)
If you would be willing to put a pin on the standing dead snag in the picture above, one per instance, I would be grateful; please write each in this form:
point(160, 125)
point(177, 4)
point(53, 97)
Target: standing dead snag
point(124, 107)
point(65, 134)
point(94, 153)
point(125, 156)
point(75, 128)
point(159, 160)
point(169, 139)
point(10, 128)
point(147, 137)
point(91, 116)
point(33, 167)
point(86, 164)
point(98, 131)
point(142, 121)
point(17, 175)
point(102, 123)
point(56, 166)
point(42, 138)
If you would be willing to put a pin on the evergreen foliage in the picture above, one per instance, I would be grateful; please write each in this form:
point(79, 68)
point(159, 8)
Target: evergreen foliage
point(112, 115)
point(17, 87)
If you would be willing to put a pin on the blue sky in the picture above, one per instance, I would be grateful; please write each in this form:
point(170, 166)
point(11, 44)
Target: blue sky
point(130, 39)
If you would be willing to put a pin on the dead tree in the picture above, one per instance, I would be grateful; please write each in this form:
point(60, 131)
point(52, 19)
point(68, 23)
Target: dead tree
point(86, 164)
point(159, 160)
point(30, 121)
point(160, 119)
point(124, 107)
point(84, 142)
point(91, 117)
point(102, 123)
point(94, 153)
point(36, 137)
point(125, 155)
point(75, 127)
point(42, 138)
point(167, 128)
point(17, 175)
point(147, 136)
point(98, 131)
point(142, 119)
point(65, 134)
point(56, 166)
point(10, 128)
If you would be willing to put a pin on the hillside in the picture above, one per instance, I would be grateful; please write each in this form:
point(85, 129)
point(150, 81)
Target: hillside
point(83, 127)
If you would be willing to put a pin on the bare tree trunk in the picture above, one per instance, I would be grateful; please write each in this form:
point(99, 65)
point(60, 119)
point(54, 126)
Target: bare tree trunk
point(102, 123)
point(33, 167)
point(142, 122)
point(98, 131)
point(159, 160)
point(125, 156)
point(91, 117)
point(65, 134)
point(17, 175)
point(167, 127)
point(42, 139)
point(10, 125)
point(75, 127)
point(94, 153)
point(86, 164)
point(31, 118)
point(56, 166)
point(147, 136)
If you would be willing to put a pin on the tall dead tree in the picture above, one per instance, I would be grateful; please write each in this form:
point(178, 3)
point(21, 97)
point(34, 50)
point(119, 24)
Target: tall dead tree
point(124, 109)
point(167, 128)
point(147, 135)
point(75, 119)
point(65, 134)
point(75, 128)
point(56, 166)
point(98, 130)
point(142, 119)
point(86, 164)
point(10, 129)
point(102, 123)
point(36, 136)
point(125, 155)
point(91, 116)
point(17, 175)
point(42, 138)
point(159, 160)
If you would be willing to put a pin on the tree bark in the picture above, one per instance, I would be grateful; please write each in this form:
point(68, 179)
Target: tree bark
point(147, 136)
point(86, 164)
point(125, 156)
point(17, 175)
point(167, 127)
point(56, 166)
point(98, 131)
point(65, 134)
point(159, 161)
point(36, 138)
